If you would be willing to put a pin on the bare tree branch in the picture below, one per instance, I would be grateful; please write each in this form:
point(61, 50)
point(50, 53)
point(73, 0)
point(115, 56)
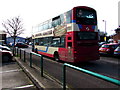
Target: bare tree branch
point(13, 27)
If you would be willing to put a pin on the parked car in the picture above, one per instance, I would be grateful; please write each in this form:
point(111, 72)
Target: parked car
point(6, 54)
point(21, 45)
point(101, 43)
point(117, 51)
point(108, 48)
point(4, 48)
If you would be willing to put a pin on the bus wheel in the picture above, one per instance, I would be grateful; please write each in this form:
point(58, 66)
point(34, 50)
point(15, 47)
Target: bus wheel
point(56, 57)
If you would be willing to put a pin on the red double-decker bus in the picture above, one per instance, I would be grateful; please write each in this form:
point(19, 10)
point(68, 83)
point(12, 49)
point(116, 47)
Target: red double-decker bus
point(71, 36)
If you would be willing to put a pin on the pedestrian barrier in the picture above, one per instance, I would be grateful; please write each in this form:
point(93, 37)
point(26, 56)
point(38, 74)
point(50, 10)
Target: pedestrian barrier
point(41, 61)
point(18, 52)
point(88, 72)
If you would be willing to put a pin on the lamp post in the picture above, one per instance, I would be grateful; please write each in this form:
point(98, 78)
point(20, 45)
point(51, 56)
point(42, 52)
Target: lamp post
point(105, 30)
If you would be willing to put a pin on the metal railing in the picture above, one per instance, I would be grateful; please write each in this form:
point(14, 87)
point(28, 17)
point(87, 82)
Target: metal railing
point(41, 61)
point(18, 52)
point(87, 72)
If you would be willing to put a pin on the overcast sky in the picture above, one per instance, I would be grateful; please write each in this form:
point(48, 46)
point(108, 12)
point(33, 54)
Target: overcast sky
point(34, 12)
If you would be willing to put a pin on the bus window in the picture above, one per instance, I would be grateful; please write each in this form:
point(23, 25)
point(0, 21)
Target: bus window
point(50, 25)
point(62, 42)
point(40, 41)
point(69, 38)
point(56, 21)
point(55, 42)
point(36, 42)
point(86, 17)
point(70, 44)
point(68, 16)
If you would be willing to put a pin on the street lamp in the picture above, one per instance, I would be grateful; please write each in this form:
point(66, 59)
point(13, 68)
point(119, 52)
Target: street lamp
point(105, 30)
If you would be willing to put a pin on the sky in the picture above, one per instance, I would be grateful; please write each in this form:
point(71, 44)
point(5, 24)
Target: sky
point(34, 12)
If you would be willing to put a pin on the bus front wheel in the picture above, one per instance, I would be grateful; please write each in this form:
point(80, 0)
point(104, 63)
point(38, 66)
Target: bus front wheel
point(56, 57)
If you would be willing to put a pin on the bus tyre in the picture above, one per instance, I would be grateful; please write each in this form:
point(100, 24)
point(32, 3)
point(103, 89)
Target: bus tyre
point(56, 57)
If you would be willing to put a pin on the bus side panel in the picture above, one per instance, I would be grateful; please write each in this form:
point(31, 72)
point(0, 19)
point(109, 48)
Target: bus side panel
point(45, 54)
point(66, 54)
point(62, 54)
point(46, 50)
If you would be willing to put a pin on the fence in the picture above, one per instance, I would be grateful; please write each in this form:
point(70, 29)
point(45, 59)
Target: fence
point(19, 52)
point(88, 72)
point(22, 53)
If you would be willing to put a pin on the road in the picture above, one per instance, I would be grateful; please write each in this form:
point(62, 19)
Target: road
point(13, 77)
point(106, 66)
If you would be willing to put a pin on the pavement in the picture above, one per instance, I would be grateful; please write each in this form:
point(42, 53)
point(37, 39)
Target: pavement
point(13, 77)
point(33, 73)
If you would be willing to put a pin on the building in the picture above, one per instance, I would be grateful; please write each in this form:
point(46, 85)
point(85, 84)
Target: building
point(18, 39)
point(102, 37)
point(2, 37)
point(116, 37)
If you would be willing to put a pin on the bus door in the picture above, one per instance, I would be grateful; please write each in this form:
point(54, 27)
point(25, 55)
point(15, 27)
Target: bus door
point(69, 47)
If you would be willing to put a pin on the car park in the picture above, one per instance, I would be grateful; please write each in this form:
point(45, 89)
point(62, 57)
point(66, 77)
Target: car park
point(108, 48)
point(6, 54)
point(117, 51)
point(21, 45)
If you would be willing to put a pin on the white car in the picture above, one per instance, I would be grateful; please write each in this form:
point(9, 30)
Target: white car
point(5, 53)
point(4, 48)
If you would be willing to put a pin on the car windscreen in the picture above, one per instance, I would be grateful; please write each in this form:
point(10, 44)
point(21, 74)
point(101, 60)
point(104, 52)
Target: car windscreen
point(109, 46)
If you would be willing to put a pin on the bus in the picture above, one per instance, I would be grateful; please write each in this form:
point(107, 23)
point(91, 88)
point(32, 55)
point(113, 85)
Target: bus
point(70, 37)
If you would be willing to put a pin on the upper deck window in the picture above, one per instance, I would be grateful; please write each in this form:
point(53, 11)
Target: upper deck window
point(86, 16)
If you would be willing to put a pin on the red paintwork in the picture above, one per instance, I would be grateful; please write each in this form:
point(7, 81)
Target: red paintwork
point(79, 52)
point(46, 54)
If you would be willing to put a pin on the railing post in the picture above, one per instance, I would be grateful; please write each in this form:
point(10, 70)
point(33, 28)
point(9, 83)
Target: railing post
point(13, 50)
point(41, 65)
point(20, 53)
point(64, 77)
point(17, 51)
point(30, 59)
point(24, 55)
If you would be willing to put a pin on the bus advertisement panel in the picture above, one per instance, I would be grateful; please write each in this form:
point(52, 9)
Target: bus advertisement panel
point(71, 36)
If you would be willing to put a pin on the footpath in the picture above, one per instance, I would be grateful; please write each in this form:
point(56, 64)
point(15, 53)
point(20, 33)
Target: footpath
point(44, 82)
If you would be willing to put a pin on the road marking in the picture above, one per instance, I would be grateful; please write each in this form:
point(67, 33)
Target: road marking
point(11, 71)
point(26, 86)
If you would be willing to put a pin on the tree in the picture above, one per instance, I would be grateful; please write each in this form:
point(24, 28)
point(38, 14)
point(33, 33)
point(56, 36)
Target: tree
point(13, 27)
